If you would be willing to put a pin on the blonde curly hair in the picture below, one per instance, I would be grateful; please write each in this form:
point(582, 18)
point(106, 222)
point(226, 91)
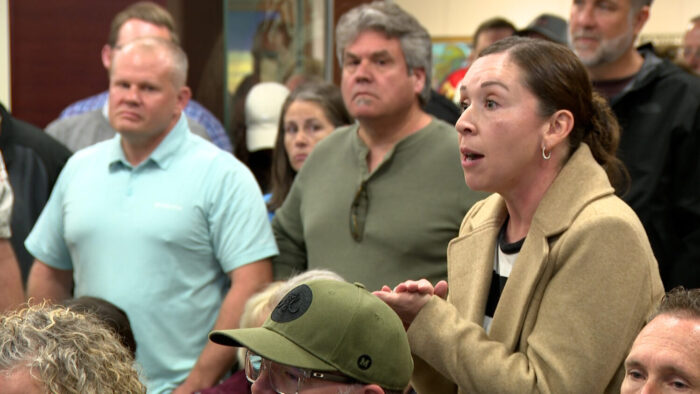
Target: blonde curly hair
point(66, 351)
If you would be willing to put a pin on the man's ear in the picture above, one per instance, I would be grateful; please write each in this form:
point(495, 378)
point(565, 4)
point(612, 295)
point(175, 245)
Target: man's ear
point(641, 19)
point(107, 56)
point(559, 127)
point(419, 80)
point(183, 97)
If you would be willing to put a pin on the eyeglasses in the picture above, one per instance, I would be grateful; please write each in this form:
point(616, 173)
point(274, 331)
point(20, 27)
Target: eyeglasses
point(285, 379)
point(358, 212)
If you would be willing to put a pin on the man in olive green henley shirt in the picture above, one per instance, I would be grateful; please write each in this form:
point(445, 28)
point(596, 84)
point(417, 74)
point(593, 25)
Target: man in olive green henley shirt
point(378, 201)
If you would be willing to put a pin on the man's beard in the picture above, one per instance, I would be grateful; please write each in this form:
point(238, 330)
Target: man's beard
point(608, 50)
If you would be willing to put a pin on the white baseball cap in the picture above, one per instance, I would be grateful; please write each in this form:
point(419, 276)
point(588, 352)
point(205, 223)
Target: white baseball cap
point(262, 112)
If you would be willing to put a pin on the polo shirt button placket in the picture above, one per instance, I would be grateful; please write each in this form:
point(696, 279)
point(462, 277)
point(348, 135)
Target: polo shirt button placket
point(130, 185)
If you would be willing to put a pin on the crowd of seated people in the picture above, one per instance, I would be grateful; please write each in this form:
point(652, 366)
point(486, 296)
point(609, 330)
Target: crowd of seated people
point(541, 243)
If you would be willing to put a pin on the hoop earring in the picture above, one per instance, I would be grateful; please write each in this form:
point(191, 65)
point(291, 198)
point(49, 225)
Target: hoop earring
point(544, 154)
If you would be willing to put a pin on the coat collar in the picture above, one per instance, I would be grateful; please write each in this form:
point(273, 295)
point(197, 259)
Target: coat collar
point(579, 182)
point(471, 255)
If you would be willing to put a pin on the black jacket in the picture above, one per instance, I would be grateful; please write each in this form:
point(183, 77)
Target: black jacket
point(659, 114)
point(33, 160)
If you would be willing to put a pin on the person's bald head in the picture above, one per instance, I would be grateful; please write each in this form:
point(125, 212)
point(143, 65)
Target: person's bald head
point(165, 50)
point(147, 91)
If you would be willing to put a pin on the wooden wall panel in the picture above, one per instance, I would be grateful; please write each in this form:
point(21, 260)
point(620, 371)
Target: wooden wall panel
point(202, 25)
point(55, 53)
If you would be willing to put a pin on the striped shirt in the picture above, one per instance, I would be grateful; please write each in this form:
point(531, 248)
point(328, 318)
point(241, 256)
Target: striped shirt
point(504, 259)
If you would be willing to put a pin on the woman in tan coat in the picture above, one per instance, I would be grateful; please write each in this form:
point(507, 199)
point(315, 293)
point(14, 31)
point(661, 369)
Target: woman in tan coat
point(552, 276)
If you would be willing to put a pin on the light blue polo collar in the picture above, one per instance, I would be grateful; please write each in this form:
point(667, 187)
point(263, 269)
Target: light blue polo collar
point(162, 156)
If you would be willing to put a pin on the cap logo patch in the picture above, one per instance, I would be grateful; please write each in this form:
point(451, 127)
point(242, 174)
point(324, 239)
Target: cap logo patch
point(293, 305)
point(364, 362)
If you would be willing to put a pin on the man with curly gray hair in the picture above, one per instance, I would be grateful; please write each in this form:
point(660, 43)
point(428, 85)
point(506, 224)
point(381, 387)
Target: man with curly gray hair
point(393, 22)
point(396, 159)
point(52, 349)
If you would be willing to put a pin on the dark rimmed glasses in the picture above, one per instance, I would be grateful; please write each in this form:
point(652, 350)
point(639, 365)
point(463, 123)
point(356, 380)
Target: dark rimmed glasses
point(285, 379)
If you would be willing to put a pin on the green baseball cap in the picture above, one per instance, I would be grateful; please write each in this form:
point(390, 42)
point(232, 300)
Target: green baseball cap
point(329, 325)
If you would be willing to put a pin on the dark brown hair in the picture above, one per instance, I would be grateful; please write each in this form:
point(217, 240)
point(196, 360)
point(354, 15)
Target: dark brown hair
point(555, 75)
point(111, 315)
point(680, 302)
point(497, 23)
point(328, 97)
point(147, 12)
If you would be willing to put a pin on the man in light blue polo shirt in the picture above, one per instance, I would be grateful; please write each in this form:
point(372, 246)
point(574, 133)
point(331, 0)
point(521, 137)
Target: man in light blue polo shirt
point(156, 221)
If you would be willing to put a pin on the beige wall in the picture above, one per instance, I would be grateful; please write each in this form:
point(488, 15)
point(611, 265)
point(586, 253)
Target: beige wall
point(4, 55)
point(445, 18)
point(455, 18)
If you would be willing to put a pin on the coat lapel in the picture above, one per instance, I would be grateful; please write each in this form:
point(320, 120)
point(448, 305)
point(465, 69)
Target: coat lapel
point(517, 295)
point(470, 260)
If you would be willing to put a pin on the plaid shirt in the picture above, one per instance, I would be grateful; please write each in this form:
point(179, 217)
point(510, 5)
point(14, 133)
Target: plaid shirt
point(193, 110)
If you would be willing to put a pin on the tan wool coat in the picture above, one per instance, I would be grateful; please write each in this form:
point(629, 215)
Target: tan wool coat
point(581, 288)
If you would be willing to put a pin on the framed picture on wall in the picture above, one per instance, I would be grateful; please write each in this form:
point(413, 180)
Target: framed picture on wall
point(450, 60)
